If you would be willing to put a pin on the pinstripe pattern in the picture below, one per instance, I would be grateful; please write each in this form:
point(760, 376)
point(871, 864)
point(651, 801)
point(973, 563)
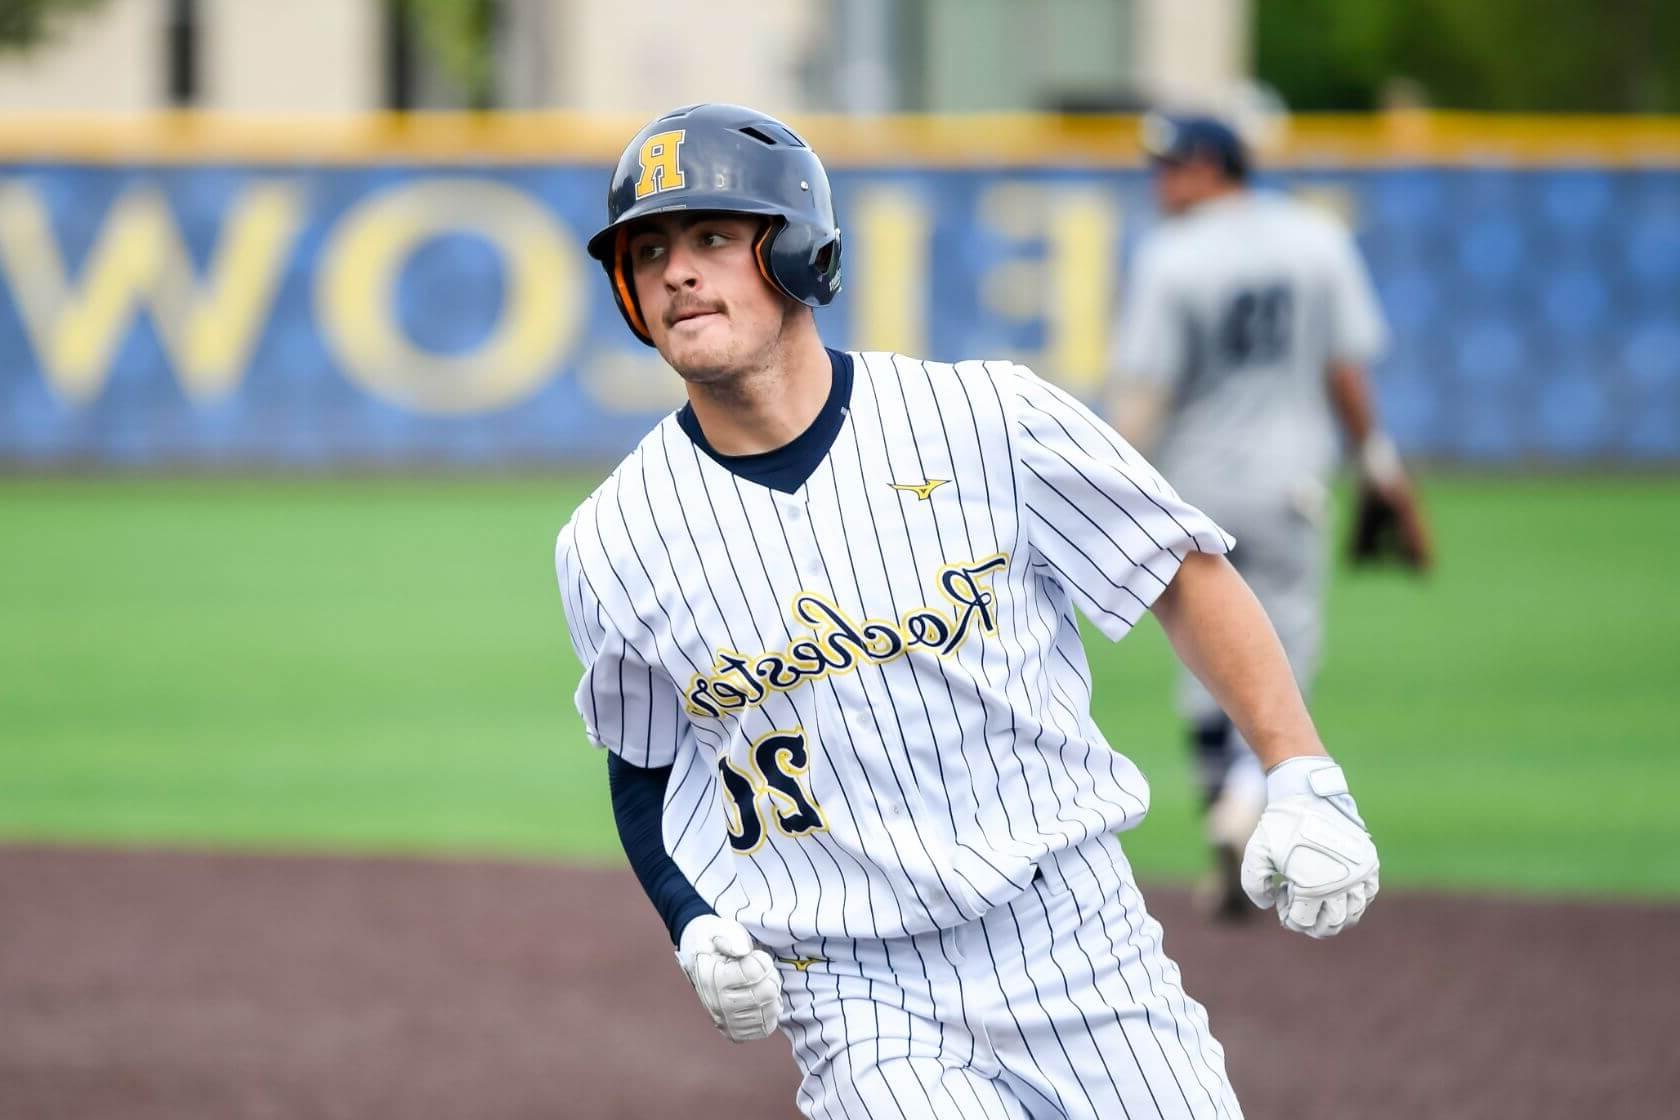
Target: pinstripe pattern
point(1072, 1010)
point(921, 647)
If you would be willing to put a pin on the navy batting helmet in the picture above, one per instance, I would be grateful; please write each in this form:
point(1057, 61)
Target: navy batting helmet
point(735, 160)
point(1171, 138)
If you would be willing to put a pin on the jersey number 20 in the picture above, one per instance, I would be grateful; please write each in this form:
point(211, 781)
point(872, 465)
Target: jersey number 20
point(777, 776)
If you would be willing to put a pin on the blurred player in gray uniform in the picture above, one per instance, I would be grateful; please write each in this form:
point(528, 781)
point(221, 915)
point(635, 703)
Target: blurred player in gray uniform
point(1247, 328)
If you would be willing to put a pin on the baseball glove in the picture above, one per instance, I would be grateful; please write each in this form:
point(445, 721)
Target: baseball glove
point(1388, 528)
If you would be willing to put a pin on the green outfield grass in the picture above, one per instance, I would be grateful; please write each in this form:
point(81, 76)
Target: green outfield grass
point(382, 665)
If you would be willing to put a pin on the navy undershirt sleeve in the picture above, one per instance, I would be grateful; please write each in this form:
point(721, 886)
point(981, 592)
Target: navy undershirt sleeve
point(638, 801)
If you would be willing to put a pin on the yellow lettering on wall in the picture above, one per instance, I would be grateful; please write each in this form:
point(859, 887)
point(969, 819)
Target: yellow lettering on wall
point(1069, 284)
point(542, 307)
point(890, 229)
point(1084, 241)
point(621, 380)
point(207, 326)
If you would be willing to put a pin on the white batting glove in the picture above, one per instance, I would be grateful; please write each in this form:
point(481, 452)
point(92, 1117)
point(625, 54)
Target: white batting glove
point(1310, 855)
point(737, 983)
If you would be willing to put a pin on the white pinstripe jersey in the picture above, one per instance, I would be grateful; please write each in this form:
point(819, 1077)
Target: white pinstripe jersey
point(872, 691)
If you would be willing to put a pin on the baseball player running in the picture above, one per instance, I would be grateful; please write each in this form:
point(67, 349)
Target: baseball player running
point(1248, 325)
point(826, 618)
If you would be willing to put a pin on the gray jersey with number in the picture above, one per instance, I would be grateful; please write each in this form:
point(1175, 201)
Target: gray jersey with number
point(1235, 309)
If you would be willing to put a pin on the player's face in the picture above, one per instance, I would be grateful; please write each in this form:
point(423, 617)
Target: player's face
point(710, 311)
point(1181, 185)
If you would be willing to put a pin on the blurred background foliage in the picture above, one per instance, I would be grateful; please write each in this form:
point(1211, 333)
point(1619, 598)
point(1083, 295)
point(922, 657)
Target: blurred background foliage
point(24, 23)
point(1495, 55)
point(460, 36)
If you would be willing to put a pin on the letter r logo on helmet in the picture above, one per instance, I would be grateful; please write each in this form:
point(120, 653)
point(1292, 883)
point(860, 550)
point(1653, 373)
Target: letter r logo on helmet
point(659, 166)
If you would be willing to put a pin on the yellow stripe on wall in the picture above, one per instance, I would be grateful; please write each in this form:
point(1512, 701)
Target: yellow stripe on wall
point(1006, 140)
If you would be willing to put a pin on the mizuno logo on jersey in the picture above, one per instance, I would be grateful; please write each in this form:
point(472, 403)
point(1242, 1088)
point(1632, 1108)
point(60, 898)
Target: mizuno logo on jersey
point(801, 963)
point(922, 490)
point(837, 644)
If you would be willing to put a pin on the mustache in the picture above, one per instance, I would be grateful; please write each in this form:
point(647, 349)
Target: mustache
point(690, 307)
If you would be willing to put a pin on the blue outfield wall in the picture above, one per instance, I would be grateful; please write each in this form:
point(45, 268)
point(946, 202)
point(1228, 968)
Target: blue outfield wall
point(274, 315)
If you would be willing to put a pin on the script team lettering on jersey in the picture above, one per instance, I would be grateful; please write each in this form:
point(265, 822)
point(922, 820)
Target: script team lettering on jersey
point(836, 644)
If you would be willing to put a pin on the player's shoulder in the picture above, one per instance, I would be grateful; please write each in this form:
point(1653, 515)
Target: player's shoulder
point(580, 523)
point(994, 389)
point(1190, 248)
point(603, 502)
point(1173, 248)
point(879, 363)
point(1314, 224)
point(965, 375)
point(1220, 218)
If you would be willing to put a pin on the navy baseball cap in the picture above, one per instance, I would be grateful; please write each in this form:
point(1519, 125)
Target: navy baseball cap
point(1170, 138)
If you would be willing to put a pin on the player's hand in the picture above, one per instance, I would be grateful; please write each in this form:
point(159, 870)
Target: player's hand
point(1310, 855)
point(1388, 524)
point(737, 983)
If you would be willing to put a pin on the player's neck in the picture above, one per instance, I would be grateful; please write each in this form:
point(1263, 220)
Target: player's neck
point(1219, 195)
point(762, 409)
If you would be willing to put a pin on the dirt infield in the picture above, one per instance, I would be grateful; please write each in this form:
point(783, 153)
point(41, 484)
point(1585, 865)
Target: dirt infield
point(151, 985)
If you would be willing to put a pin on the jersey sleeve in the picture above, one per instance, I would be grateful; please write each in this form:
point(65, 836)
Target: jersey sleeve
point(1100, 520)
point(1357, 330)
point(628, 706)
point(1154, 329)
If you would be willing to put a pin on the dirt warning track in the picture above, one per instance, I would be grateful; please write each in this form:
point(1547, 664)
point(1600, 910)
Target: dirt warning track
point(164, 985)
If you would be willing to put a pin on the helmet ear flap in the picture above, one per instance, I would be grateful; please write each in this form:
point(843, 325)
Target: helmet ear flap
point(624, 289)
point(792, 262)
point(827, 263)
point(761, 252)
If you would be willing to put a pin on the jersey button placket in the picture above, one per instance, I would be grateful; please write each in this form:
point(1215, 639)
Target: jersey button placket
point(802, 538)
